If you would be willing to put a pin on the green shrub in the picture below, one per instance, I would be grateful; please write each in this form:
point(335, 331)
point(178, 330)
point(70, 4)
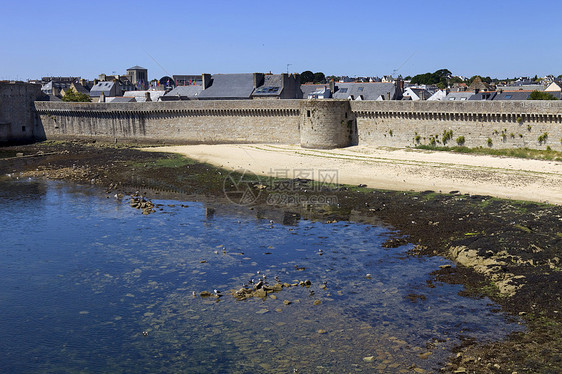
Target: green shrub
point(460, 140)
point(489, 142)
point(541, 95)
point(447, 135)
point(543, 138)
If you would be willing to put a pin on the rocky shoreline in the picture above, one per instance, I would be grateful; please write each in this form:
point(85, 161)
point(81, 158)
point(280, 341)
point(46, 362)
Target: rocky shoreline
point(507, 250)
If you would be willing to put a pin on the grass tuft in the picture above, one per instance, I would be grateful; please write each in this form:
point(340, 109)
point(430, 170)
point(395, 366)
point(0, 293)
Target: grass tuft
point(537, 154)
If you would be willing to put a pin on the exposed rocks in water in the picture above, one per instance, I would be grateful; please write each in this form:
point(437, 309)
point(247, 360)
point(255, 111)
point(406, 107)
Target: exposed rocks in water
point(524, 236)
point(493, 267)
point(395, 243)
point(141, 203)
point(262, 289)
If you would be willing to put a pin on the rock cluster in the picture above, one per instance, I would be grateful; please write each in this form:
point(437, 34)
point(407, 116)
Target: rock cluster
point(261, 289)
point(139, 202)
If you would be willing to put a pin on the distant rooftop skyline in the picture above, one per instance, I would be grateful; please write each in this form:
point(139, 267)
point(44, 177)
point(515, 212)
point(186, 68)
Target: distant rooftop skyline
point(363, 38)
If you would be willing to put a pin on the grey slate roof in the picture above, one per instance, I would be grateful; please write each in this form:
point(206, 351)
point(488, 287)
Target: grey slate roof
point(104, 87)
point(458, 96)
point(272, 86)
point(368, 91)
point(136, 67)
point(483, 95)
point(422, 93)
point(185, 92)
point(229, 86)
point(521, 95)
point(120, 100)
point(80, 89)
point(140, 96)
point(513, 95)
point(310, 88)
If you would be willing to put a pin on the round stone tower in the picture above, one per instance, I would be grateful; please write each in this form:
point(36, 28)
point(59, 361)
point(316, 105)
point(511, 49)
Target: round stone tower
point(326, 123)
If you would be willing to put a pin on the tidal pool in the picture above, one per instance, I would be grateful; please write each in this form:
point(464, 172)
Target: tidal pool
point(91, 285)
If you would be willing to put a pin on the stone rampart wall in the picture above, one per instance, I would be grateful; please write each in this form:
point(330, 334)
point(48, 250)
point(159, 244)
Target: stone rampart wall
point(17, 117)
point(313, 123)
point(496, 124)
point(248, 121)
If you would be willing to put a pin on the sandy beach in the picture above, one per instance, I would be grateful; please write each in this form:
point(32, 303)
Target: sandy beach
point(393, 169)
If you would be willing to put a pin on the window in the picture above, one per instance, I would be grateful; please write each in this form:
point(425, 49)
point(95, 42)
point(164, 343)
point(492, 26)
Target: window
point(23, 128)
point(360, 89)
point(508, 96)
point(308, 113)
point(343, 90)
point(267, 89)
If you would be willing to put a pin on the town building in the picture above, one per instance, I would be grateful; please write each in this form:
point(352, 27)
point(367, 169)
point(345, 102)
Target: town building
point(138, 77)
point(108, 89)
point(183, 93)
point(368, 91)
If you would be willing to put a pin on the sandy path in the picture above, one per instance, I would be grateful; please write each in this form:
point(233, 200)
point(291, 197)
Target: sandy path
point(395, 169)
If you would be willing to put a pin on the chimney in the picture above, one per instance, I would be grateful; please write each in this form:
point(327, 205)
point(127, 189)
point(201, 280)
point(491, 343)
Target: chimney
point(147, 96)
point(388, 95)
point(332, 85)
point(258, 79)
point(206, 81)
point(102, 98)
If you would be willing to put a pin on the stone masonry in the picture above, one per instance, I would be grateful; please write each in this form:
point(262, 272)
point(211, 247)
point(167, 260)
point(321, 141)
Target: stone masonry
point(17, 115)
point(313, 123)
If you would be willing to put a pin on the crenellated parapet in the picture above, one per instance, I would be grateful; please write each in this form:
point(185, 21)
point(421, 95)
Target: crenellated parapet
point(314, 123)
point(497, 124)
point(181, 122)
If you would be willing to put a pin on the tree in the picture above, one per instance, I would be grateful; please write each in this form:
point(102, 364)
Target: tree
point(307, 76)
point(541, 95)
point(454, 80)
point(483, 79)
point(443, 73)
point(71, 95)
point(440, 76)
point(319, 78)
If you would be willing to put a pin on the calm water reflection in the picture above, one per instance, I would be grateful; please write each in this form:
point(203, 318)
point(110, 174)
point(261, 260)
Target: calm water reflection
point(83, 276)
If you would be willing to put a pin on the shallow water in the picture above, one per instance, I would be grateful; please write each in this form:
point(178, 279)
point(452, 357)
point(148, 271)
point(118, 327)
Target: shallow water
point(83, 276)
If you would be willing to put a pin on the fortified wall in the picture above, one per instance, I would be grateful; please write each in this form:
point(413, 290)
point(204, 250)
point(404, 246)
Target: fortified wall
point(494, 124)
point(313, 123)
point(17, 115)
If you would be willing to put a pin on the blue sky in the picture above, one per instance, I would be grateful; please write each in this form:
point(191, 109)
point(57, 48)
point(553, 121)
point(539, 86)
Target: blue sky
point(358, 38)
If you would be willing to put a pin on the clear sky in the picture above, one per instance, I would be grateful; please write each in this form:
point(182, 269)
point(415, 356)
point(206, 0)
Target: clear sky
point(497, 38)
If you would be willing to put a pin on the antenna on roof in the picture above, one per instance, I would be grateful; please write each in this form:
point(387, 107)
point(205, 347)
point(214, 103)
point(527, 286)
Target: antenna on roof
point(288, 68)
point(404, 63)
point(165, 71)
